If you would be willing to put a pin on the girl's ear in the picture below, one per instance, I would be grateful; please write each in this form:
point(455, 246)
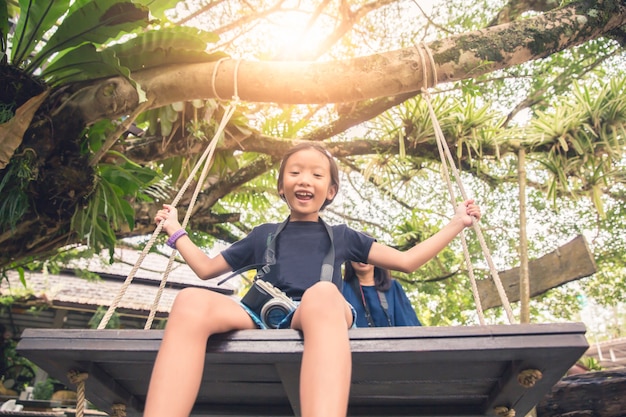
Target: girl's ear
point(332, 192)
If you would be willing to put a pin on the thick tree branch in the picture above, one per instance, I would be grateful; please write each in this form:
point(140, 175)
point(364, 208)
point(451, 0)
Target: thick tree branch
point(391, 73)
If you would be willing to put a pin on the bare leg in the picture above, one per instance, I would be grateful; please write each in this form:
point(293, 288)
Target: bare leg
point(177, 373)
point(324, 318)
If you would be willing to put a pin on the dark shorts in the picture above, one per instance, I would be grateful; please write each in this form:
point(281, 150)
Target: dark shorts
point(286, 322)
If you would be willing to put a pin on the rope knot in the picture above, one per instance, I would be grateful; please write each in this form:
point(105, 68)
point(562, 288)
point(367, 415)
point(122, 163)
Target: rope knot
point(504, 411)
point(529, 377)
point(118, 410)
point(77, 377)
point(421, 47)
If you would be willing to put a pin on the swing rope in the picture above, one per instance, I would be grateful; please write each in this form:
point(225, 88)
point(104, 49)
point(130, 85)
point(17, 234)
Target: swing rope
point(447, 159)
point(205, 160)
point(78, 379)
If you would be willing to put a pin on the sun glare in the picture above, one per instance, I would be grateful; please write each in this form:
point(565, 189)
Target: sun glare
point(293, 35)
point(299, 29)
point(297, 33)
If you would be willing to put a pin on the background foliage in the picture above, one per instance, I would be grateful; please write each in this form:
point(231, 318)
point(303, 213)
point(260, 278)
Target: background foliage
point(567, 110)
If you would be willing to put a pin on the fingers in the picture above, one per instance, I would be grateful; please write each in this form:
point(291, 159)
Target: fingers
point(475, 212)
point(471, 209)
point(165, 213)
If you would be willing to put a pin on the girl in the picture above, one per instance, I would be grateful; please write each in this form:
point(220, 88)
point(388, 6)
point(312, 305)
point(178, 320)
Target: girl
point(379, 300)
point(308, 181)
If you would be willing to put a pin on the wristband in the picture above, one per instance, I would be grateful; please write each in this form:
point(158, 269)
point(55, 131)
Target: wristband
point(171, 242)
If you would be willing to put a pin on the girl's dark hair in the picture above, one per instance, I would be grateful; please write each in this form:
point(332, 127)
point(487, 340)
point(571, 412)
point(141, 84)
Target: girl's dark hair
point(334, 170)
point(382, 277)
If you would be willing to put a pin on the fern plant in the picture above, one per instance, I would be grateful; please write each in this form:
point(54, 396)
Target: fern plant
point(62, 42)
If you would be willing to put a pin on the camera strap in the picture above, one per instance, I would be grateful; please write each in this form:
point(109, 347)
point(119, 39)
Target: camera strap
point(358, 291)
point(326, 273)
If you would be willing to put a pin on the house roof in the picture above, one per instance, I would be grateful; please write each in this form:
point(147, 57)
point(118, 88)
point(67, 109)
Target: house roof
point(70, 290)
point(610, 354)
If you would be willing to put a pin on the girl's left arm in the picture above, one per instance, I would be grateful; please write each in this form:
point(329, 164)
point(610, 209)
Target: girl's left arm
point(410, 260)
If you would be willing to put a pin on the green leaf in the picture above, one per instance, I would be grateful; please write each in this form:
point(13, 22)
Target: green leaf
point(563, 143)
point(95, 22)
point(36, 18)
point(129, 177)
point(158, 7)
point(4, 29)
point(180, 45)
point(596, 197)
point(20, 271)
point(166, 120)
point(128, 212)
point(83, 63)
point(109, 210)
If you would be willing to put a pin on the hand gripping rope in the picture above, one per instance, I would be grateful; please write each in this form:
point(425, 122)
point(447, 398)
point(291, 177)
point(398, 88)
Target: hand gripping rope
point(78, 378)
point(528, 377)
point(206, 160)
point(444, 153)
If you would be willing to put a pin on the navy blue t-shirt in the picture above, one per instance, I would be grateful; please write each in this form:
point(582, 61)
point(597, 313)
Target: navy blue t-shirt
point(400, 312)
point(300, 250)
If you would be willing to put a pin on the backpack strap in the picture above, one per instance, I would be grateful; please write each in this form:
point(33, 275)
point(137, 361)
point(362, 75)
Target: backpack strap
point(382, 297)
point(328, 265)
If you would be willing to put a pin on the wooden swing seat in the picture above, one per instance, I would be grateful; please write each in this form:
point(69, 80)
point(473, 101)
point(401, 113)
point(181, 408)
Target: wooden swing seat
point(402, 371)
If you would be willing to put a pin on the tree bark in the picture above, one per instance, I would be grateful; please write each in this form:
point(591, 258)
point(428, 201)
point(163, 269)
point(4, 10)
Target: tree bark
point(390, 73)
point(593, 394)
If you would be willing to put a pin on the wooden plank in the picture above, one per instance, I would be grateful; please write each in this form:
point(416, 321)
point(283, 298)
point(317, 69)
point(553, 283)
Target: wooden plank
point(569, 262)
point(103, 390)
point(409, 371)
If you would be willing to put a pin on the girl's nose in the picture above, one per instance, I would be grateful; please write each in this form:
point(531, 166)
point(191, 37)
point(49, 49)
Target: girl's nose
point(304, 179)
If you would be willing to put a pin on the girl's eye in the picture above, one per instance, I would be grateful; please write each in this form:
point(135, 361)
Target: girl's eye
point(318, 175)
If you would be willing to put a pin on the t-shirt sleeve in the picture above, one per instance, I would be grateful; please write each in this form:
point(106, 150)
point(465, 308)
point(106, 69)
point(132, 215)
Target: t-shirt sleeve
point(357, 245)
point(249, 250)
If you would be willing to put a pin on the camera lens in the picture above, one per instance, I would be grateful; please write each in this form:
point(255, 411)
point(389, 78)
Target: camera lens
point(274, 313)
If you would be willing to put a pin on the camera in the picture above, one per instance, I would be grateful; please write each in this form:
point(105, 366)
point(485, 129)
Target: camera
point(269, 303)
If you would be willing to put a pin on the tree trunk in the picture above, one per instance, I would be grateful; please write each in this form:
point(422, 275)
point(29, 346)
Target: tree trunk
point(593, 394)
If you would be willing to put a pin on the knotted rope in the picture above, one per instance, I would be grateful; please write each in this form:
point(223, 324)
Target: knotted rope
point(447, 159)
point(118, 410)
point(205, 160)
point(78, 379)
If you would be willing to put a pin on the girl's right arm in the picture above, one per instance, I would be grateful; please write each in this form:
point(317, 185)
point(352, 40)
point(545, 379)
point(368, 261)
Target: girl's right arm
point(410, 260)
point(202, 264)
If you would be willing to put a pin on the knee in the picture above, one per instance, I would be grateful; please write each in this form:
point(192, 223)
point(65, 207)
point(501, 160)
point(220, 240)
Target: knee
point(191, 304)
point(323, 300)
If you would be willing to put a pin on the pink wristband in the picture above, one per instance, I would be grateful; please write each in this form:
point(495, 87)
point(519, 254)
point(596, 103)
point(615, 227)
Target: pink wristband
point(171, 242)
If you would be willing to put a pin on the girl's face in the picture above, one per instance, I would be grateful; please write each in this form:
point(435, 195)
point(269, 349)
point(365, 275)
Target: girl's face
point(307, 184)
point(364, 273)
point(361, 268)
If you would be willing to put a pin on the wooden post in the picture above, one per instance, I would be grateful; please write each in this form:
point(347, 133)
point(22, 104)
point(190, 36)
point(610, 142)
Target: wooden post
point(524, 281)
